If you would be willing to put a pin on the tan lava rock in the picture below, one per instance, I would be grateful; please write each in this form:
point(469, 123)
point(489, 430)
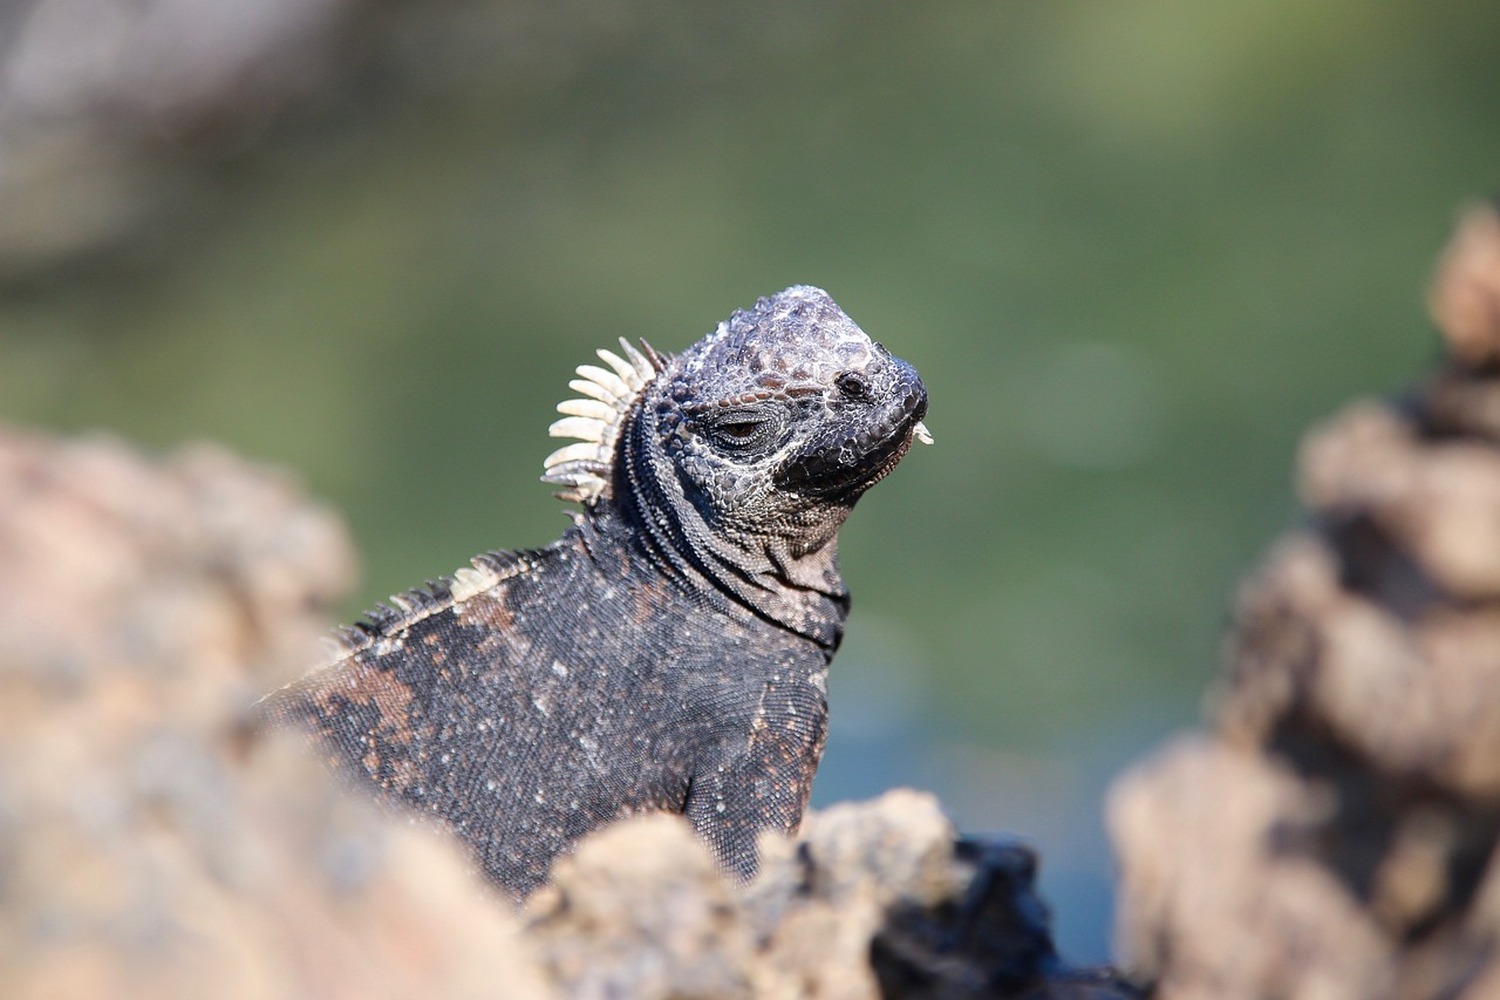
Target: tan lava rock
point(1337, 834)
point(641, 910)
point(1220, 896)
point(152, 844)
point(149, 845)
point(1465, 294)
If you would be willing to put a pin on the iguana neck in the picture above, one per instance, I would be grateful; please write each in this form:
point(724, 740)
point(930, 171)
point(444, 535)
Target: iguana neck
point(790, 583)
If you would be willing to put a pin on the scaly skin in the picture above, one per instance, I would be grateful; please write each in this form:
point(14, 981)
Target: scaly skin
point(671, 650)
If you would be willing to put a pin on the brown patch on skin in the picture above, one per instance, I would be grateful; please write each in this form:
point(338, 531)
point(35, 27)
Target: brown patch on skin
point(403, 773)
point(361, 684)
point(646, 604)
point(486, 610)
point(435, 651)
point(758, 724)
point(488, 613)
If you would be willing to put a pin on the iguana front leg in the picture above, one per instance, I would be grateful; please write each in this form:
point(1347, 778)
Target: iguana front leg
point(758, 783)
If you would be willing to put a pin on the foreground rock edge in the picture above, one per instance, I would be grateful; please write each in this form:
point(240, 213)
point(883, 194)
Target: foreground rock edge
point(152, 844)
point(1335, 832)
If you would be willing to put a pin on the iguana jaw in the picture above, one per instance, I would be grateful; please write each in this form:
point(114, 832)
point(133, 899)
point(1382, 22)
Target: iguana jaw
point(861, 449)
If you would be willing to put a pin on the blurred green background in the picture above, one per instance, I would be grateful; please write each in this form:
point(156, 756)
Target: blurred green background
point(1134, 249)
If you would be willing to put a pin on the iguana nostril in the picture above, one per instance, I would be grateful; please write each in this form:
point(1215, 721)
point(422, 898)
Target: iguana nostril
point(854, 386)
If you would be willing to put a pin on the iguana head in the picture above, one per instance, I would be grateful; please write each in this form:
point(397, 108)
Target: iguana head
point(787, 406)
point(745, 452)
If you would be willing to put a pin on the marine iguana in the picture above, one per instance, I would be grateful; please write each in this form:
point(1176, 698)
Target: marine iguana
point(670, 651)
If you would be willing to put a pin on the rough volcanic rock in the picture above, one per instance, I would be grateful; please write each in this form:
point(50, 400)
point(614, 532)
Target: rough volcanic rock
point(149, 845)
point(152, 844)
point(872, 899)
point(1336, 835)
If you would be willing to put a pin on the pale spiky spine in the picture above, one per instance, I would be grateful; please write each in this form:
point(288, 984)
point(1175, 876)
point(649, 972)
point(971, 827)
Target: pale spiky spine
point(605, 396)
point(388, 620)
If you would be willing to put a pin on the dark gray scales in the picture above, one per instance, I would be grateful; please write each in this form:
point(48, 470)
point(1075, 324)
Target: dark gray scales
point(671, 650)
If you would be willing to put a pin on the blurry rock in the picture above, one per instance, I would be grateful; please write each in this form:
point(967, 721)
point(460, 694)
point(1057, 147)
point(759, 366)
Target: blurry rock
point(885, 883)
point(149, 845)
point(820, 903)
point(95, 94)
point(872, 899)
point(115, 114)
point(1337, 837)
point(1376, 469)
point(641, 910)
point(169, 574)
point(1465, 294)
point(1220, 894)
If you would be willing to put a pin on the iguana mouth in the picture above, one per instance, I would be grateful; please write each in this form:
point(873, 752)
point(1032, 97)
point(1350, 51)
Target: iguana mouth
point(843, 467)
point(890, 451)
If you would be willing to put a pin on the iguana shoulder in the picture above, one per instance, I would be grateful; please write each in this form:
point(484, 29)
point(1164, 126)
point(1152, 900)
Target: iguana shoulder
point(670, 651)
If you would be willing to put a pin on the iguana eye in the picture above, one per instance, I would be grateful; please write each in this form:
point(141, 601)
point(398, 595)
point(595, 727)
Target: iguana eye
point(853, 385)
point(740, 431)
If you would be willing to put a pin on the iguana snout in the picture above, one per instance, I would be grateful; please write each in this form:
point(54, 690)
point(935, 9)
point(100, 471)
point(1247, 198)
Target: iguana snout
point(872, 416)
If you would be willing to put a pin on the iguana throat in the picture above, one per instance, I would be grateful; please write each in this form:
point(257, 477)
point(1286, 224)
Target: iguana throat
point(799, 591)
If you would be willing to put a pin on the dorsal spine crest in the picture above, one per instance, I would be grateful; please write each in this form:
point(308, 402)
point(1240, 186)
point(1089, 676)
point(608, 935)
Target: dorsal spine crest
point(401, 611)
point(584, 469)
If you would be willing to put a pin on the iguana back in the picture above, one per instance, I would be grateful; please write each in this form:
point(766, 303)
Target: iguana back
point(670, 651)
